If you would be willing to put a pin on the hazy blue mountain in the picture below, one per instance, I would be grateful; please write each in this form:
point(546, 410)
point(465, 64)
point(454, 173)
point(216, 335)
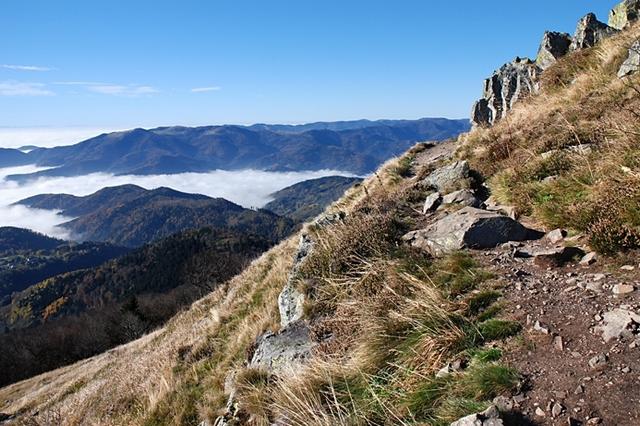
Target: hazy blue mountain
point(305, 200)
point(357, 147)
point(13, 157)
point(131, 216)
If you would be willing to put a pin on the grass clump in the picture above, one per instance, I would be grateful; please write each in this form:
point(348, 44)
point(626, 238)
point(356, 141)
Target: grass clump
point(497, 329)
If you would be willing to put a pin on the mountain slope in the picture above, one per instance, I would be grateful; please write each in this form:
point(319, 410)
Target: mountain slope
point(81, 313)
point(182, 149)
point(306, 200)
point(131, 216)
point(12, 238)
point(27, 258)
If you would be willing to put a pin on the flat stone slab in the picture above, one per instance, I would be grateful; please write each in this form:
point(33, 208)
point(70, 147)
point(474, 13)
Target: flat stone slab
point(278, 351)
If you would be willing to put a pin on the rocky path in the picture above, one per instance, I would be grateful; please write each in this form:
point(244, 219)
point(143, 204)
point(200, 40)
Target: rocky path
point(579, 351)
point(573, 376)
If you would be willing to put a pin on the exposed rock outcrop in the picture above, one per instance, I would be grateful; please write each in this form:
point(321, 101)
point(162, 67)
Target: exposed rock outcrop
point(590, 32)
point(290, 300)
point(504, 88)
point(278, 351)
point(489, 417)
point(632, 64)
point(432, 202)
point(554, 45)
point(624, 14)
point(449, 178)
point(470, 228)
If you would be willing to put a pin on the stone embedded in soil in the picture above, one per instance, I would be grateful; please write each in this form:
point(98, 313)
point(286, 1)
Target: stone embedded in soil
point(627, 268)
point(556, 256)
point(589, 259)
point(489, 417)
point(619, 323)
point(557, 409)
point(540, 412)
point(558, 343)
point(556, 235)
point(598, 362)
point(541, 328)
point(622, 289)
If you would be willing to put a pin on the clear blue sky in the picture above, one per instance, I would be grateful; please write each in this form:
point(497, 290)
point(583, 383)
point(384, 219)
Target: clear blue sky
point(143, 63)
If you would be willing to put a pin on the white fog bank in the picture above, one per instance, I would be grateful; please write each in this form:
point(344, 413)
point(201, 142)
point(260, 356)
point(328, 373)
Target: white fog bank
point(249, 188)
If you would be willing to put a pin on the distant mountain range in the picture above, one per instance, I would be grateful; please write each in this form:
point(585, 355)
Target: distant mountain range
point(131, 216)
point(352, 146)
point(305, 200)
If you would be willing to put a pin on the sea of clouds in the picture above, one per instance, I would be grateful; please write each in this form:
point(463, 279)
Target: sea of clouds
point(249, 188)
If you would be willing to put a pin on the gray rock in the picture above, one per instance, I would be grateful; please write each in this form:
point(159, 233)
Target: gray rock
point(621, 289)
point(632, 64)
point(507, 85)
point(619, 323)
point(598, 362)
point(503, 403)
point(464, 197)
point(556, 236)
point(431, 203)
point(554, 45)
point(623, 14)
point(468, 227)
point(481, 114)
point(449, 178)
point(589, 259)
point(590, 32)
point(329, 219)
point(556, 409)
point(276, 352)
point(290, 300)
point(557, 256)
point(489, 417)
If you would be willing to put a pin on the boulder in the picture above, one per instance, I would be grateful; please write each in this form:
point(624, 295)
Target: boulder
point(489, 417)
point(464, 197)
point(507, 85)
point(554, 45)
point(556, 236)
point(276, 352)
point(590, 32)
point(619, 323)
point(632, 63)
point(468, 227)
point(449, 178)
point(290, 300)
point(623, 14)
point(432, 202)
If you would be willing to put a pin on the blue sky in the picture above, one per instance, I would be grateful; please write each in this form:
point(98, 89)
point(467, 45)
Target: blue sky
point(120, 64)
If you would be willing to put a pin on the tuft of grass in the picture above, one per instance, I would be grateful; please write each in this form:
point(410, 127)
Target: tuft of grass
point(497, 329)
point(479, 302)
point(486, 381)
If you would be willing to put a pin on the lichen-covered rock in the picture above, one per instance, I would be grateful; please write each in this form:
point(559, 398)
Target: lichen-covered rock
point(489, 417)
point(590, 32)
point(554, 45)
point(470, 228)
point(449, 178)
point(504, 88)
point(624, 13)
point(276, 352)
point(632, 64)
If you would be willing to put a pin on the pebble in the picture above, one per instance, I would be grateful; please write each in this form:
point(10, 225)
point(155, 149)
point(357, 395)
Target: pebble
point(599, 277)
point(540, 412)
point(557, 409)
point(558, 343)
point(597, 362)
point(541, 328)
point(623, 289)
point(627, 268)
point(579, 390)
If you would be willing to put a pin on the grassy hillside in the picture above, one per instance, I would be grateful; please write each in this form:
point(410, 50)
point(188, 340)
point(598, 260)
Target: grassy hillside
point(570, 155)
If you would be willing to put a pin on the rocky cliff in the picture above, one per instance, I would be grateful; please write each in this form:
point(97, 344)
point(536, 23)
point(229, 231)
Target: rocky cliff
point(520, 78)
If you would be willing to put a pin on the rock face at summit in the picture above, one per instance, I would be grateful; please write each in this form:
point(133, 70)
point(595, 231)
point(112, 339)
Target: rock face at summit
point(520, 78)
